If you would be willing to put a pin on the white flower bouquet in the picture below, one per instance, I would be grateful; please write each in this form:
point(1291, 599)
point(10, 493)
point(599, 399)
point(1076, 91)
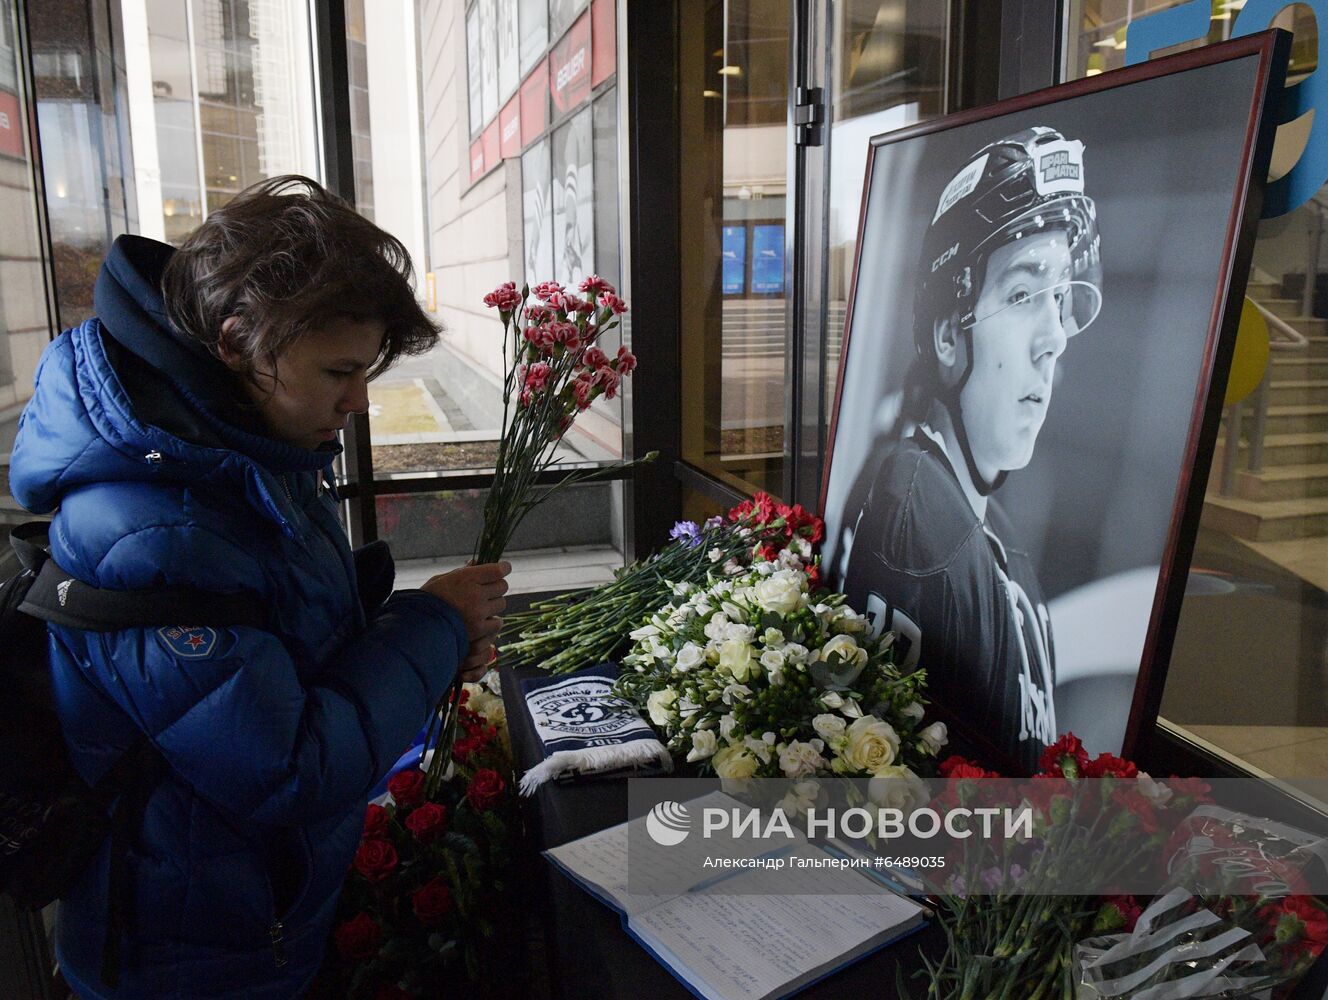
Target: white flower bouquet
point(761, 675)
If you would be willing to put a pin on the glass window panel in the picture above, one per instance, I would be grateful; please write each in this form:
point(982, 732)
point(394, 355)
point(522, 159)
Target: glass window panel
point(488, 59)
point(25, 323)
point(475, 76)
point(509, 49)
point(1255, 608)
point(533, 20)
point(573, 200)
point(734, 162)
point(561, 15)
point(537, 213)
point(607, 261)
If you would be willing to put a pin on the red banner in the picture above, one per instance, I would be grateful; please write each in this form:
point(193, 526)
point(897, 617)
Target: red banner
point(604, 16)
point(11, 125)
point(535, 103)
point(569, 67)
point(476, 160)
point(509, 128)
point(491, 146)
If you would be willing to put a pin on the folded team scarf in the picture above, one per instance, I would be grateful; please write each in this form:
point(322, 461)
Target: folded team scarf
point(584, 729)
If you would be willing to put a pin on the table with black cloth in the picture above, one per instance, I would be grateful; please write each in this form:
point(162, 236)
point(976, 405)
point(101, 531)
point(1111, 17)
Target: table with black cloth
point(590, 955)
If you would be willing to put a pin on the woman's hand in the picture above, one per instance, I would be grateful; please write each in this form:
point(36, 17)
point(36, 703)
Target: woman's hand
point(477, 593)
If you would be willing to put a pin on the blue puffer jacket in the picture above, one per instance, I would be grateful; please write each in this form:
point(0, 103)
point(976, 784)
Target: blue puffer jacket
point(273, 737)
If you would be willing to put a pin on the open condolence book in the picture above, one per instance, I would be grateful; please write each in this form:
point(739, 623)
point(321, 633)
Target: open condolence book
point(726, 937)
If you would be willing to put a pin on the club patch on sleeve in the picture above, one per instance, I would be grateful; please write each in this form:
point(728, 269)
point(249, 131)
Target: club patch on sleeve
point(189, 642)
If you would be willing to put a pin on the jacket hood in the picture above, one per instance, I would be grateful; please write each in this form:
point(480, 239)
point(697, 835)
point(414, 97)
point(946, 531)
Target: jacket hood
point(126, 397)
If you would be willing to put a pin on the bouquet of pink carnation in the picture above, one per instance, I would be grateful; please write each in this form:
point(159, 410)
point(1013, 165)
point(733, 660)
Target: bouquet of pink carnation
point(555, 369)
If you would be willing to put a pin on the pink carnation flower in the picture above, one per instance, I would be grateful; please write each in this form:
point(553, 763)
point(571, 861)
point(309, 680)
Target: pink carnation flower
point(505, 297)
point(594, 285)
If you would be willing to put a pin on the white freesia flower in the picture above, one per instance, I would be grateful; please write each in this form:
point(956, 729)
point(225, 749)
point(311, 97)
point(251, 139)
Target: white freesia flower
point(897, 787)
point(660, 706)
point(869, 745)
point(715, 628)
point(846, 647)
point(933, 738)
point(735, 692)
point(830, 728)
point(734, 762)
point(715, 554)
point(773, 638)
point(802, 760)
point(732, 568)
point(851, 708)
point(704, 745)
point(831, 699)
point(762, 748)
point(849, 622)
point(795, 652)
point(780, 593)
point(690, 657)
point(765, 568)
point(644, 632)
point(735, 657)
point(772, 659)
point(731, 611)
point(687, 708)
point(776, 676)
point(913, 710)
point(799, 798)
point(727, 723)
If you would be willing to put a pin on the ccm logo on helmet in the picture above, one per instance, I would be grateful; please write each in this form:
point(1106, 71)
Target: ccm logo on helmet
point(940, 261)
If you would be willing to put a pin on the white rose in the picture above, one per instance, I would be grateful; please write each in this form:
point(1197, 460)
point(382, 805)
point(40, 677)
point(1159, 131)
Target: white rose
point(869, 745)
point(933, 738)
point(704, 744)
point(773, 638)
point(831, 699)
point(772, 659)
point(734, 762)
point(830, 728)
point(795, 652)
point(849, 622)
point(779, 593)
point(660, 706)
point(743, 633)
point(690, 656)
point(1154, 791)
point(715, 628)
point(735, 657)
point(799, 798)
point(913, 710)
point(801, 760)
point(897, 787)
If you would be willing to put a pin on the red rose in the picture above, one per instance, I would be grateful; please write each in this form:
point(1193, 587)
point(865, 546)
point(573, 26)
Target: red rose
point(486, 789)
point(427, 822)
point(431, 901)
point(357, 938)
point(407, 787)
point(375, 859)
point(375, 822)
point(1064, 758)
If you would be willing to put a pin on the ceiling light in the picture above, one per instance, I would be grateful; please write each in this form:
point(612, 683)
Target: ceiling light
point(730, 71)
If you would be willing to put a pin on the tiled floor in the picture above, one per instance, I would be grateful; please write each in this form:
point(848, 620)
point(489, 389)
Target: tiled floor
point(560, 569)
point(1287, 752)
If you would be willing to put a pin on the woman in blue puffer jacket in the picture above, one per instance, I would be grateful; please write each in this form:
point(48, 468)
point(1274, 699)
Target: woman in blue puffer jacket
point(185, 436)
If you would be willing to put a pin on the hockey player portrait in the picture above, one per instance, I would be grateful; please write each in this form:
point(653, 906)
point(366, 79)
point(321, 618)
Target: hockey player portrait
point(1008, 275)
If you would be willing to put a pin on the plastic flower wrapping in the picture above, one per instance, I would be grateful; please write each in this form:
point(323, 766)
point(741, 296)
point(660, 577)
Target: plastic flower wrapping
point(761, 674)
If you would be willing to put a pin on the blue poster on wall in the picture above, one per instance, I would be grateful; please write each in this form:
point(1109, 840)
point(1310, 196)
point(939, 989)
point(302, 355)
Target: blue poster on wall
point(734, 278)
point(768, 260)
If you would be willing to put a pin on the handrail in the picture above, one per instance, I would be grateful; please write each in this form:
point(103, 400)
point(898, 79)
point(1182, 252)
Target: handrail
point(1293, 340)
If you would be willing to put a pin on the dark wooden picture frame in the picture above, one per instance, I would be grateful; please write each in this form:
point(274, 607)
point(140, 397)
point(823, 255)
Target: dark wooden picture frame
point(1176, 226)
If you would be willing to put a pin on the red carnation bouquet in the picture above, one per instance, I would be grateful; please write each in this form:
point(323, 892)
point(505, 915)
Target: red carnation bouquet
point(429, 902)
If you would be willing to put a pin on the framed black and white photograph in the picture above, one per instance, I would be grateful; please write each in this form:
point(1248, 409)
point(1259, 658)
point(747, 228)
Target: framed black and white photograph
point(537, 213)
point(474, 88)
point(533, 23)
point(1045, 297)
point(488, 64)
point(573, 200)
point(509, 50)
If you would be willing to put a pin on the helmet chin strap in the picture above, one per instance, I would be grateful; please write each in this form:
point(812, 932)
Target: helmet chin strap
point(949, 397)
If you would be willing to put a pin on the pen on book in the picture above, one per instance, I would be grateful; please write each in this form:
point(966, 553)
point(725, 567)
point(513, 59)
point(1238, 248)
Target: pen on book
point(905, 885)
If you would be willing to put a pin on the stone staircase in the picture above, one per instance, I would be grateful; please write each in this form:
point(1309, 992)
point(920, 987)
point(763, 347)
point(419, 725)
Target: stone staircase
point(1288, 498)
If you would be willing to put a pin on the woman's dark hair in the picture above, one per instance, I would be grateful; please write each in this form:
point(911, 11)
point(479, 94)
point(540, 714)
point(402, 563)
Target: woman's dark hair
point(283, 257)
